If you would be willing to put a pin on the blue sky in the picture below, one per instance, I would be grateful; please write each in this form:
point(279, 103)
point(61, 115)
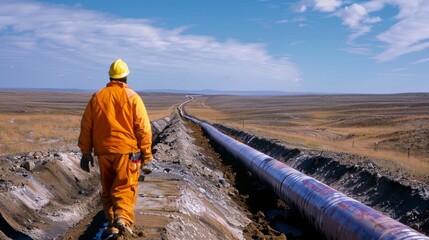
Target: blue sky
point(331, 46)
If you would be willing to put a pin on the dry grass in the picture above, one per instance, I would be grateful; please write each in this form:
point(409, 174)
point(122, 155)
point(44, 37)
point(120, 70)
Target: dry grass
point(160, 105)
point(38, 121)
point(37, 132)
point(381, 127)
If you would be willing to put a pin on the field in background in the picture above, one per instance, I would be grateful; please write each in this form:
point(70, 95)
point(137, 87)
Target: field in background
point(393, 130)
point(39, 120)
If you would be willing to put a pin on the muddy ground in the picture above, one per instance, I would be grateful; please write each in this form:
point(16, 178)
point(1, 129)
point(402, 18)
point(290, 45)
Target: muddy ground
point(196, 192)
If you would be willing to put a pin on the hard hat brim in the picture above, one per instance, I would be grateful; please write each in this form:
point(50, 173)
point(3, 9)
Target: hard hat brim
point(118, 76)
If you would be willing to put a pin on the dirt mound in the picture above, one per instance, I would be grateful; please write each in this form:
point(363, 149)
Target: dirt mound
point(44, 193)
point(205, 207)
point(259, 203)
point(395, 193)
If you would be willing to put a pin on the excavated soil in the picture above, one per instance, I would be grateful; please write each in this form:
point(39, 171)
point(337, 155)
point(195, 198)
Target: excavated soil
point(270, 216)
point(195, 192)
point(395, 193)
point(43, 194)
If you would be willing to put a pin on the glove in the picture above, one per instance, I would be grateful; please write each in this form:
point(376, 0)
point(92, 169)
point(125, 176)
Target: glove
point(148, 167)
point(84, 161)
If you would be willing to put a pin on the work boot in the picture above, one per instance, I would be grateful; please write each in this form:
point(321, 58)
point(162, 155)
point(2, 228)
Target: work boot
point(123, 227)
point(108, 232)
point(113, 230)
point(149, 168)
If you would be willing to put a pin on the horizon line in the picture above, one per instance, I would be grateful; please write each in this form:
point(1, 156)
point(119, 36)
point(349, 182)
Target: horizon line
point(213, 91)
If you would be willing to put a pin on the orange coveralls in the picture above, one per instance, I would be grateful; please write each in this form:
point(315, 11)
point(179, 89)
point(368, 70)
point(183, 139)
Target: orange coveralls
point(115, 123)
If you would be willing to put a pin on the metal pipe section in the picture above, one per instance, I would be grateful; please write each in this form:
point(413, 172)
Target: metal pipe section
point(331, 212)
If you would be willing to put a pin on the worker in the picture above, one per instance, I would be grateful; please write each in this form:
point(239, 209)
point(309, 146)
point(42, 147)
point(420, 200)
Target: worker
point(116, 125)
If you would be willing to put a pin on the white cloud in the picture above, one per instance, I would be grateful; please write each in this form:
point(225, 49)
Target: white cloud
point(70, 40)
point(407, 8)
point(298, 19)
point(357, 19)
point(359, 50)
point(318, 5)
point(352, 15)
point(282, 21)
point(327, 5)
point(410, 32)
point(423, 60)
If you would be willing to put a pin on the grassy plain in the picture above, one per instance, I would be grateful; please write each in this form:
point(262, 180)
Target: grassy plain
point(41, 120)
point(393, 130)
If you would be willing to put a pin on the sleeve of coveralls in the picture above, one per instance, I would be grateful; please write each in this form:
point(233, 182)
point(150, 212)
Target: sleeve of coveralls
point(142, 129)
point(86, 125)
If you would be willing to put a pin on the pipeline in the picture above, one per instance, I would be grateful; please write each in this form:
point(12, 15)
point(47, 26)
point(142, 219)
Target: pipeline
point(331, 212)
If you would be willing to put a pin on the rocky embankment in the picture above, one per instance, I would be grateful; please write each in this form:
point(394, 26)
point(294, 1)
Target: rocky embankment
point(44, 193)
point(395, 193)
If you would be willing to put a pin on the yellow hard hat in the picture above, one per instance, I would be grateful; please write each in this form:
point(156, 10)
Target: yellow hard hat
point(119, 69)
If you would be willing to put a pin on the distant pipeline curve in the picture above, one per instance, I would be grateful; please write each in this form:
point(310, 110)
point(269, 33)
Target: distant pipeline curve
point(331, 212)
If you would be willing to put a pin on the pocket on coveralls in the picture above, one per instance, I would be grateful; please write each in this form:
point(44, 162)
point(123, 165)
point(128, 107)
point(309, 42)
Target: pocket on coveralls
point(134, 168)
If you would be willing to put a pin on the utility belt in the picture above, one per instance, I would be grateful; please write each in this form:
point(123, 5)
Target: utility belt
point(135, 157)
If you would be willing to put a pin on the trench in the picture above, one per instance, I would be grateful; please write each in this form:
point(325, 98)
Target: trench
point(390, 192)
point(270, 217)
point(269, 214)
point(10, 232)
point(330, 211)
